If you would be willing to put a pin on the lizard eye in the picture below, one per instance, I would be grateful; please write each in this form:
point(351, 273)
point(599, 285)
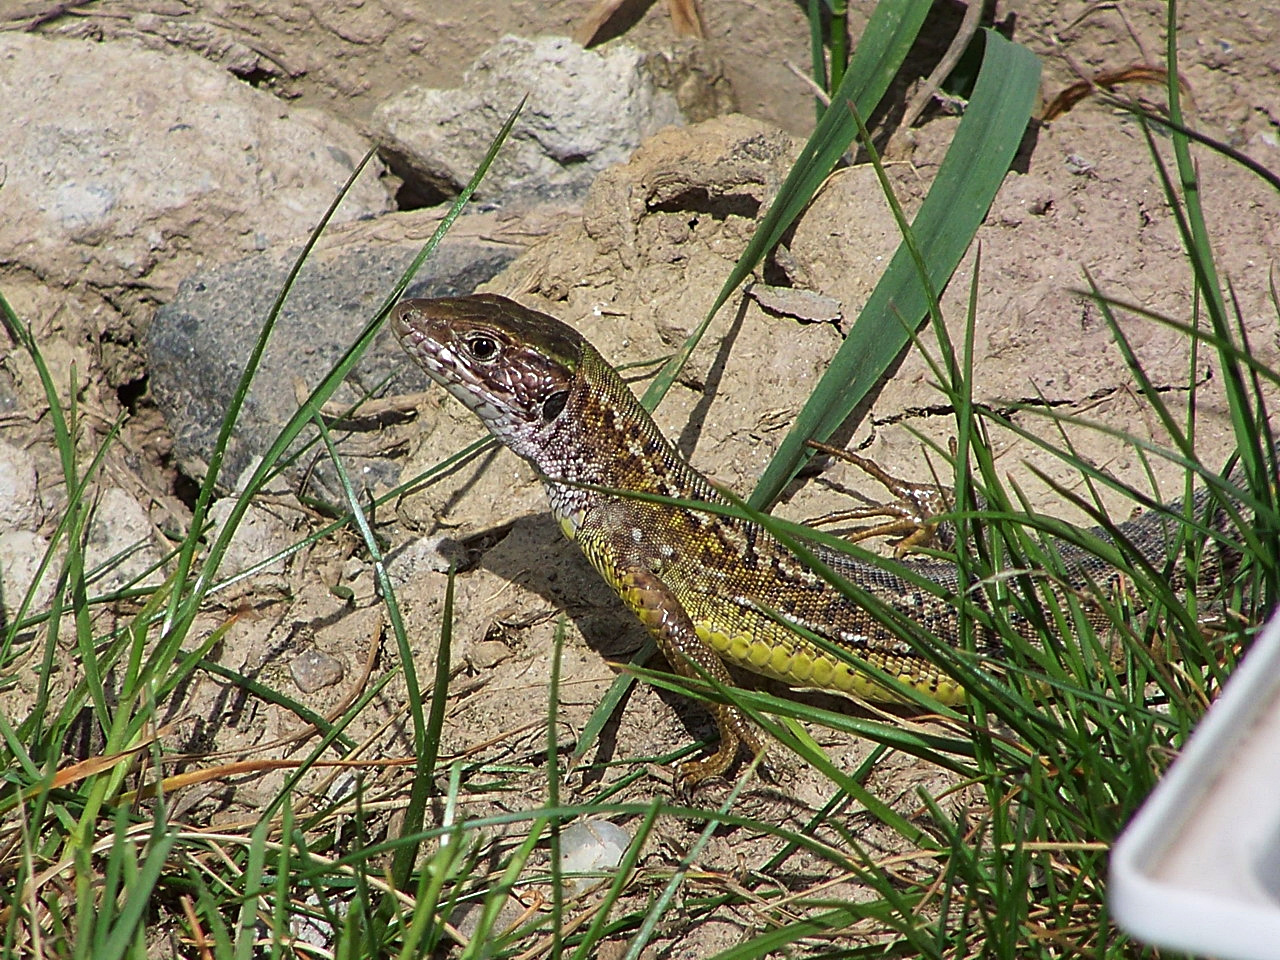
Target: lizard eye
point(553, 406)
point(482, 347)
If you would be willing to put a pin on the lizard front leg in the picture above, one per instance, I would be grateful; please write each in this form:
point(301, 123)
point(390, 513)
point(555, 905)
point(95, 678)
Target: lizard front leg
point(670, 625)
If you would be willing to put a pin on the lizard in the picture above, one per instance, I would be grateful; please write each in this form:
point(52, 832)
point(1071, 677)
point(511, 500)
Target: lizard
point(710, 588)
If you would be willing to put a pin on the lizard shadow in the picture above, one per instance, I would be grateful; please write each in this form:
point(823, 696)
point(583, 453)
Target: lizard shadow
point(534, 555)
point(687, 441)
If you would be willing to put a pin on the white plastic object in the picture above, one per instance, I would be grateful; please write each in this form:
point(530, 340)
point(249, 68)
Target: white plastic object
point(1198, 868)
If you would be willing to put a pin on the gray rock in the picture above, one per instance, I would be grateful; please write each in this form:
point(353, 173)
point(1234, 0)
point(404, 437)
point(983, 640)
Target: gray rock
point(115, 158)
point(198, 344)
point(587, 110)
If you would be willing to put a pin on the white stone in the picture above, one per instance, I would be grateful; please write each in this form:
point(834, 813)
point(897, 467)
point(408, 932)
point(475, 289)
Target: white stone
point(21, 552)
point(587, 110)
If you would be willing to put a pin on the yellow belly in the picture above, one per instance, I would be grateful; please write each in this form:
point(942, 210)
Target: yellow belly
point(796, 661)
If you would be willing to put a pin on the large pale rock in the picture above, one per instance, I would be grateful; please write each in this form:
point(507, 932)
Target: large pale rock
point(587, 110)
point(115, 159)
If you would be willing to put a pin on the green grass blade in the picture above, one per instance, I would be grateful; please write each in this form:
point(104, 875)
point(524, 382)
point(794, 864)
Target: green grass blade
point(649, 927)
point(967, 181)
point(553, 792)
point(776, 942)
point(817, 54)
point(882, 48)
point(622, 874)
point(425, 749)
point(191, 545)
point(129, 923)
point(840, 39)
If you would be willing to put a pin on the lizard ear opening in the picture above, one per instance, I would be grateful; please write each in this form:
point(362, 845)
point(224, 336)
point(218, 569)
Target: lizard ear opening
point(553, 406)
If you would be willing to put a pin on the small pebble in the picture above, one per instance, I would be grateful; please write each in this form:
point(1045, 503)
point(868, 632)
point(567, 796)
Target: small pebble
point(1078, 165)
point(314, 671)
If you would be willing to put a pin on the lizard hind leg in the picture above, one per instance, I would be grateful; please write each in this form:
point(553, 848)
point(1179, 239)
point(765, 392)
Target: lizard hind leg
point(671, 627)
point(910, 516)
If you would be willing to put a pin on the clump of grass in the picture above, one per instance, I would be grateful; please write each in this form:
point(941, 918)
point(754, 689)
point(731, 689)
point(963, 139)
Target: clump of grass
point(1074, 727)
point(90, 850)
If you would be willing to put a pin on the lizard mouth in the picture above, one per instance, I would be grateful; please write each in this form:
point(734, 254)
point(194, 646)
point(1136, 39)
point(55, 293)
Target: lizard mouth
point(436, 358)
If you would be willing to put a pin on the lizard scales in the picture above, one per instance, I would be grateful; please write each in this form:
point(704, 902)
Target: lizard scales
point(710, 589)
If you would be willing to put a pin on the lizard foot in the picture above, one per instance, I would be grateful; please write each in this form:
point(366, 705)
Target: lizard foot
point(911, 517)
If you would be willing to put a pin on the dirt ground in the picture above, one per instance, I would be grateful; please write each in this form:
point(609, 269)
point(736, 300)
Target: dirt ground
point(635, 279)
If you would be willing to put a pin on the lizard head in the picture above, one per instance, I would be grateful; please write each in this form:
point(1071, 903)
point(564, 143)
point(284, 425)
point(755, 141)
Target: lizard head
point(511, 366)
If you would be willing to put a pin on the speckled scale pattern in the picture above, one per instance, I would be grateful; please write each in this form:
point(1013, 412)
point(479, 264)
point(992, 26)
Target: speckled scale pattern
point(707, 587)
